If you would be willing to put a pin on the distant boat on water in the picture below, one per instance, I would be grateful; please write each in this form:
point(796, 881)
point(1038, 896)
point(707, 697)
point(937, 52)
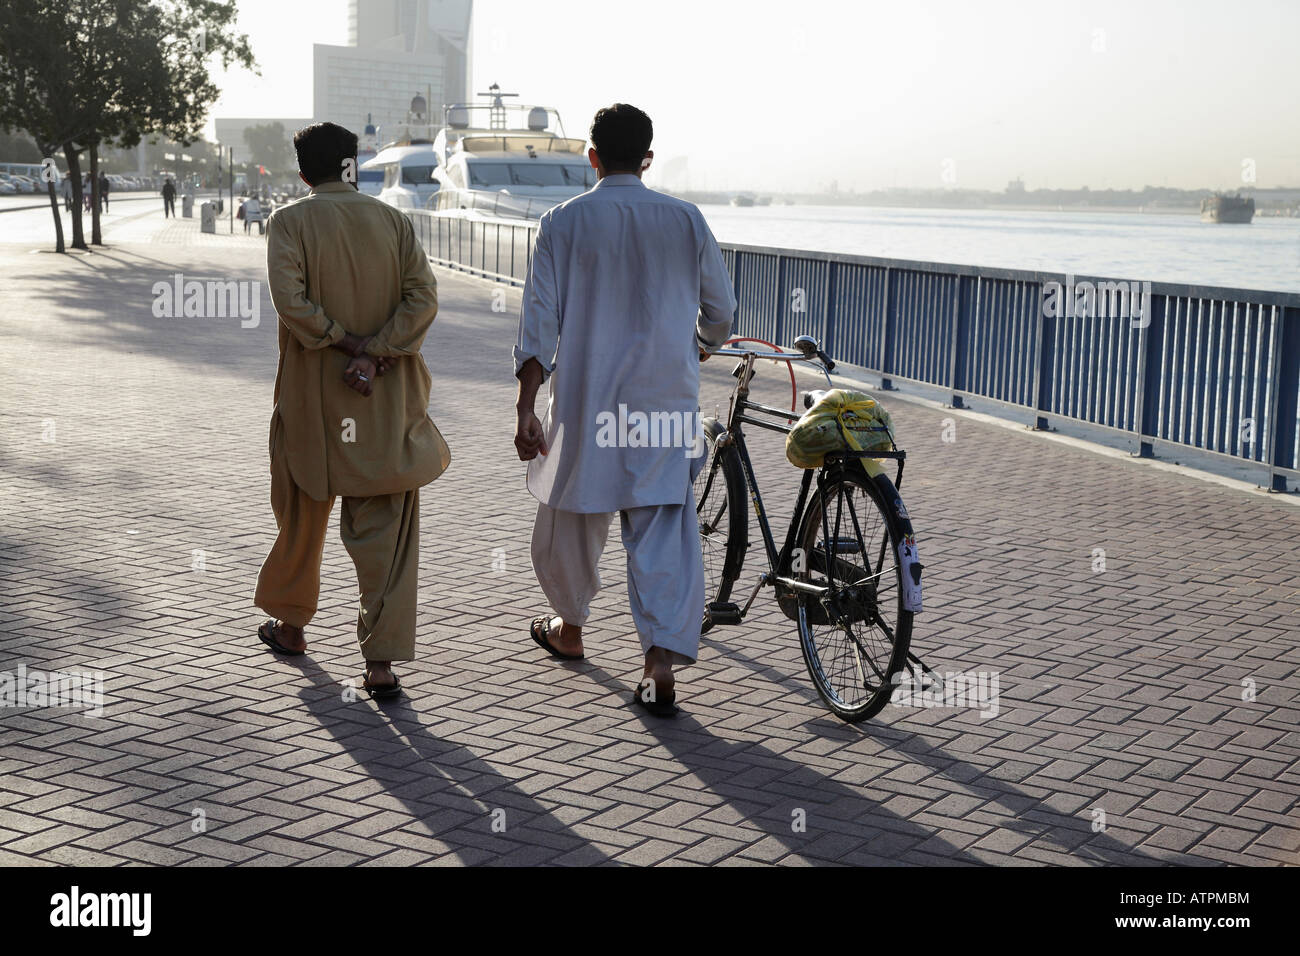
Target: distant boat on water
point(742, 199)
point(1225, 208)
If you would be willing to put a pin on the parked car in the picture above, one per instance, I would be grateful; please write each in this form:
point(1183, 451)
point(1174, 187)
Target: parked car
point(7, 188)
point(25, 183)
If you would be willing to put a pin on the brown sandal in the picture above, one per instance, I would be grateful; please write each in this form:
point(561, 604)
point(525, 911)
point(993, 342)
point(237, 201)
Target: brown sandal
point(270, 635)
point(382, 691)
point(542, 638)
point(644, 698)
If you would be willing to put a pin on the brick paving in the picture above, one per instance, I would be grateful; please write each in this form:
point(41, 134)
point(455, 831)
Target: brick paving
point(128, 443)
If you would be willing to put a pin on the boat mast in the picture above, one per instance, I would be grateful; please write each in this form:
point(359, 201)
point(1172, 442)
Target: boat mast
point(497, 115)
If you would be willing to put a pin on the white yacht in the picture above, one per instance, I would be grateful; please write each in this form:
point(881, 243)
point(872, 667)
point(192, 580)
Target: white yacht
point(369, 181)
point(495, 160)
point(407, 170)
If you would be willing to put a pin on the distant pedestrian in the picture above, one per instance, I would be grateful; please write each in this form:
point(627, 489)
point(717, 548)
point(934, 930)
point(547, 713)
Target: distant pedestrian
point(103, 191)
point(253, 214)
point(67, 193)
point(85, 193)
point(169, 198)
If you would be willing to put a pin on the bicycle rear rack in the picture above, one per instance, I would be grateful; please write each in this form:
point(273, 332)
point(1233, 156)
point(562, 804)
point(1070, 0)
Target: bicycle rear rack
point(893, 453)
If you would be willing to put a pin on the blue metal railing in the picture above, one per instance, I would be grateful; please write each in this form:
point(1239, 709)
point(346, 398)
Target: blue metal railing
point(1211, 369)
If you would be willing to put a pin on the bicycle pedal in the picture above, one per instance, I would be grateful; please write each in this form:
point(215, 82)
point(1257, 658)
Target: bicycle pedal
point(724, 612)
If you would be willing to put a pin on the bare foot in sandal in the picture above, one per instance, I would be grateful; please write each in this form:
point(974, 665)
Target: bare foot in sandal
point(283, 638)
point(562, 640)
point(380, 679)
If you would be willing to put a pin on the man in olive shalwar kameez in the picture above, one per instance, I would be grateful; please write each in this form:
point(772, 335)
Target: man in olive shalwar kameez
point(355, 297)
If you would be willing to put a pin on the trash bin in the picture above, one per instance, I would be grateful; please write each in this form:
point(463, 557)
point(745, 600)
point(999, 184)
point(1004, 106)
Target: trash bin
point(208, 217)
point(187, 205)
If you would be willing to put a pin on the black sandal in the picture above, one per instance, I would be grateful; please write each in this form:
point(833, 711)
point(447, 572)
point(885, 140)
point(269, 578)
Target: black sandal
point(543, 642)
point(658, 708)
point(270, 635)
point(382, 691)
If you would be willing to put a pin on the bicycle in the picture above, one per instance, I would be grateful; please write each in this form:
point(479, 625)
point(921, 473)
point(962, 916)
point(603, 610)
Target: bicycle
point(854, 617)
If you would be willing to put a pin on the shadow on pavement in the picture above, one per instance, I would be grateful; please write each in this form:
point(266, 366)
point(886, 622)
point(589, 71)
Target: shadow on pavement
point(764, 788)
point(443, 785)
point(1027, 815)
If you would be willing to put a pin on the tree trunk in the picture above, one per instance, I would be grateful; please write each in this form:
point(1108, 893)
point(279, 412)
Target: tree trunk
point(54, 197)
point(96, 238)
point(74, 173)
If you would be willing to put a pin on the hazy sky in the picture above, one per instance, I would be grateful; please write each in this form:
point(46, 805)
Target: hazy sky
point(792, 95)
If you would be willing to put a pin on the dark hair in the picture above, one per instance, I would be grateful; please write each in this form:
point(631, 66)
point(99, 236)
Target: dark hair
point(322, 148)
point(622, 135)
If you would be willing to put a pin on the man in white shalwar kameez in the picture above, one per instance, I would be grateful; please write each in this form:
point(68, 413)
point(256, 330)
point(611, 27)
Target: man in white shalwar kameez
point(626, 289)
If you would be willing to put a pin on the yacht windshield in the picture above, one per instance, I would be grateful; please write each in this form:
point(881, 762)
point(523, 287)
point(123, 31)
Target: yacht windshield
point(417, 175)
point(487, 175)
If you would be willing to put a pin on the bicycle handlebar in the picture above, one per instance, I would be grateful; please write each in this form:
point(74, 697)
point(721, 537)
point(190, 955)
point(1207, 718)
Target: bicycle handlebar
point(776, 356)
point(806, 351)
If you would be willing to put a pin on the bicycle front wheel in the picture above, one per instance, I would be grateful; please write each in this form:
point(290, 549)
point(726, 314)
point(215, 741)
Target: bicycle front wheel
point(855, 631)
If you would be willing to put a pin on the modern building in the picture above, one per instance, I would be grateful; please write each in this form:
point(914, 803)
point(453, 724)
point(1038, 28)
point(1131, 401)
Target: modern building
point(398, 49)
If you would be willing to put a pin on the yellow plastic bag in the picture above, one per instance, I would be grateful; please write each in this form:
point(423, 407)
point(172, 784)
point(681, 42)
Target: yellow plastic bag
point(841, 421)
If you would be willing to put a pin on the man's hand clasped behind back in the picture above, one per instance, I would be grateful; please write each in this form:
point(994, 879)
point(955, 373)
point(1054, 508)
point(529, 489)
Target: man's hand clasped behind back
point(361, 372)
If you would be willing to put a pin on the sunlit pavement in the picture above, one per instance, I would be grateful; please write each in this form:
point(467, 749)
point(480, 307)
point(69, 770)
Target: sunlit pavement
point(1147, 712)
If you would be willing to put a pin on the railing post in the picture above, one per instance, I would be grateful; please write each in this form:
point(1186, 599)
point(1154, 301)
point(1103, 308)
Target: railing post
point(778, 318)
point(1286, 383)
point(1044, 356)
point(1151, 347)
point(828, 326)
point(954, 341)
point(886, 321)
point(735, 289)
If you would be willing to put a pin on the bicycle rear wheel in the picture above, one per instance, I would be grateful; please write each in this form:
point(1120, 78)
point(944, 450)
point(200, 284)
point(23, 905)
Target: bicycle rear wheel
point(724, 530)
point(855, 633)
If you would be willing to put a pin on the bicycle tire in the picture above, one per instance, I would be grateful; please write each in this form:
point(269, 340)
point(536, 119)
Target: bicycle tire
point(884, 497)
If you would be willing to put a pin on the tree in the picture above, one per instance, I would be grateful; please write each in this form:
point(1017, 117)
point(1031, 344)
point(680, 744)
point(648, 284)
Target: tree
point(81, 73)
point(268, 145)
point(37, 92)
point(19, 148)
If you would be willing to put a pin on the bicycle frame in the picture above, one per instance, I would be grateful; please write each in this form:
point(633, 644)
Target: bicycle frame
point(741, 412)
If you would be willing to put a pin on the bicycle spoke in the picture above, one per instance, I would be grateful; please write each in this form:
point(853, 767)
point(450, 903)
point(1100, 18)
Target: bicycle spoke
point(862, 545)
point(722, 510)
